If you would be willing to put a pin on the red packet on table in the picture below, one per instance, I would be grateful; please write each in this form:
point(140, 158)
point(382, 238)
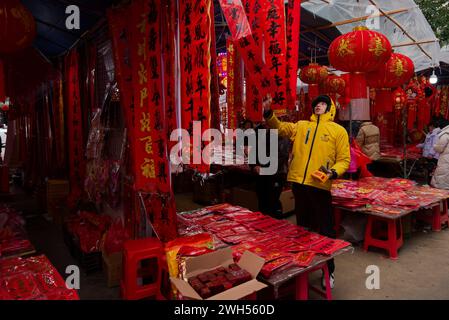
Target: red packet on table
point(244, 216)
point(304, 259)
point(329, 246)
point(271, 267)
point(308, 239)
point(21, 286)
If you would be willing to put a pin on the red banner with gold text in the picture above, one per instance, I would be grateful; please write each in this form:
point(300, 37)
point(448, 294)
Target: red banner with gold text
point(75, 129)
point(195, 27)
point(275, 50)
point(293, 33)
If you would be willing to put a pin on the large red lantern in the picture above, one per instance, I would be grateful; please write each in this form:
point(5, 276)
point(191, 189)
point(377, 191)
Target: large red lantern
point(313, 75)
point(359, 52)
point(17, 26)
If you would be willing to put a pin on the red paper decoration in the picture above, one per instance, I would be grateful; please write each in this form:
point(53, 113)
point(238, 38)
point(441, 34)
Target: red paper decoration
point(358, 52)
point(17, 26)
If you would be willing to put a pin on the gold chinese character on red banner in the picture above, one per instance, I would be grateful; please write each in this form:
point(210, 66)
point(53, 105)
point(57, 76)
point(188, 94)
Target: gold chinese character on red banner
point(145, 122)
point(142, 49)
point(143, 96)
point(143, 78)
point(148, 170)
point(148, 144)
point(143, 24)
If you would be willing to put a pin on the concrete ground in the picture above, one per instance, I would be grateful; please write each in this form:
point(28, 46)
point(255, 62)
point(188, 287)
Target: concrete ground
point(421, 272)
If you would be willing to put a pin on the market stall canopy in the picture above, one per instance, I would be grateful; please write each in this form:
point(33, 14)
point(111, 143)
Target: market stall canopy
point(401, 21)
point(53, 38)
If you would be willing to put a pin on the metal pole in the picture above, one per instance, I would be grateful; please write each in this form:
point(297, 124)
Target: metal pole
point(350, 121)
point(404, 134)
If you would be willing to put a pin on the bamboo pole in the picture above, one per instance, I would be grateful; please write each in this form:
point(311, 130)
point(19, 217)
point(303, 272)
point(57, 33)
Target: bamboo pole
point(340, 23)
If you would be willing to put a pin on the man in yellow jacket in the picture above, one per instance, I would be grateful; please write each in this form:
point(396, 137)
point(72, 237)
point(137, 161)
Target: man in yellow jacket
point(318, 143)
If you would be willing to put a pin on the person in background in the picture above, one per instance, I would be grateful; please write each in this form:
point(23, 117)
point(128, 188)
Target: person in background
point(429, 153)
point(368, 138)
point(318, 143)
point(269, 187)
point(440, 177)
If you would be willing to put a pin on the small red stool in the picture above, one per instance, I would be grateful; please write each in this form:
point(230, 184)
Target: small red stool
point(135, 251)
point(394, 235)
point(302, 283)
point(439, 217)
point(444, 214)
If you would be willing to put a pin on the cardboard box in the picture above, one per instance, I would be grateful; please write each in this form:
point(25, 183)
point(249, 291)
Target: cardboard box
point(221, 258)
point(112, 267)
point(288, 201)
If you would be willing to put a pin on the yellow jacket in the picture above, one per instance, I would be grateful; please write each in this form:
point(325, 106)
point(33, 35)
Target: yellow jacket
point(316, 143)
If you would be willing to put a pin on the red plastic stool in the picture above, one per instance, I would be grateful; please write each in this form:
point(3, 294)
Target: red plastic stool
point(135, 251)
point(302, 283)
point(394, 235)
point(439, 217)
point(444, 214)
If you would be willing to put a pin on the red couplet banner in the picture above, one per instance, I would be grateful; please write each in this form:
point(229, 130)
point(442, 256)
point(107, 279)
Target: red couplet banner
point(293, 32)
point(195, 56)
point(275, 50)
point(120, 28)
point(75, 128)
point(251, 54)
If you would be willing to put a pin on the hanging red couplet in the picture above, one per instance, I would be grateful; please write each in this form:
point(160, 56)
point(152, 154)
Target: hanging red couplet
point(120, 28)
point(195, 40)
point(168, 49)
point(75, 129)
point(293, 27)
point(233, 69)
point(255, 13)
point(250, 52)
point(276, 51)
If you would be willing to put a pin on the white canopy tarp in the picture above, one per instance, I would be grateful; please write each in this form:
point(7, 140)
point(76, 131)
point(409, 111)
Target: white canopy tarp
point(403, 24)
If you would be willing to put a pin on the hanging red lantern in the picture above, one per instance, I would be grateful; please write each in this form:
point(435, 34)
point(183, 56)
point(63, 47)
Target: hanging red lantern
point(399, 99)
point(346, 97)
point(335, 84)
point(359, 52)
point(397, 71)
point(17, 26)
point(313, 75)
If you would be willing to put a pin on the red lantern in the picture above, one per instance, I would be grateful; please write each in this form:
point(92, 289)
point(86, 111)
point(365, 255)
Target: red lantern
point(358, 52)
point(17, 26)
point(335, 84)
point(397, 71)
point(399, 99)
point(313, 75)
point(4, 107)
